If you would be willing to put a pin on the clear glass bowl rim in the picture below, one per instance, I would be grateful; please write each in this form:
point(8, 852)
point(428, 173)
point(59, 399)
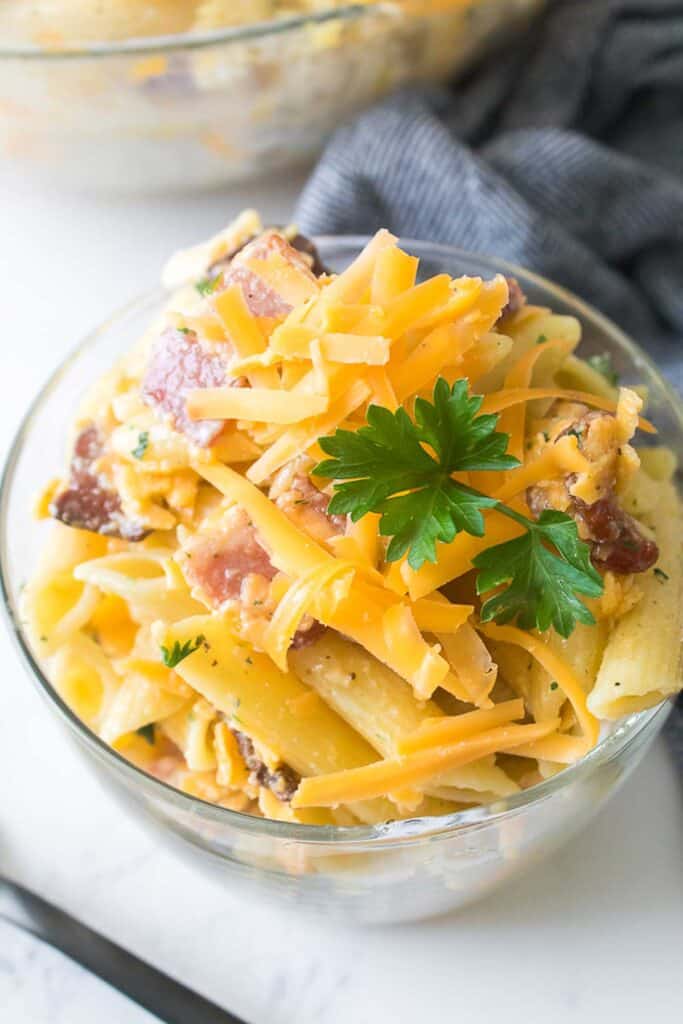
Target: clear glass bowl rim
point(388, 833)
point(191, 40)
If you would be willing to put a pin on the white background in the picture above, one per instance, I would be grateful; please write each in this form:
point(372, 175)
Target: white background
point(596, 934)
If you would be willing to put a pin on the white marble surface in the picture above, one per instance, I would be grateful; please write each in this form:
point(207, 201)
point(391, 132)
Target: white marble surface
point(595, 934)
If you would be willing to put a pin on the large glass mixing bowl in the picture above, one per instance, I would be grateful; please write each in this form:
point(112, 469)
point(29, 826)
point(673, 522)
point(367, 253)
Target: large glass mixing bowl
point(398, 870)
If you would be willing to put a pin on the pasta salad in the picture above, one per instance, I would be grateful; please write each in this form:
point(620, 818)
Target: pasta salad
point(349, 548)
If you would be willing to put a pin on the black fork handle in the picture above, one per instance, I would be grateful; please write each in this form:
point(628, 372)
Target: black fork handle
point(141, 982)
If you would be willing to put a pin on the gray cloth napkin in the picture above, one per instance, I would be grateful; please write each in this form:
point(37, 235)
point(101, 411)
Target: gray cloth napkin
point(563, 152)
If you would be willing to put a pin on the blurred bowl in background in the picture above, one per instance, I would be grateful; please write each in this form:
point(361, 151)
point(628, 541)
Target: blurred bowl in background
point(195, 109)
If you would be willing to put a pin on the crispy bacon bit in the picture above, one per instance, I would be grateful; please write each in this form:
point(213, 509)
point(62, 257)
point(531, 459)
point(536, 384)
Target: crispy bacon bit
point(179, 363)
point(219, 563)
point(261, 296)
point(295, 493)
point(516, 298)
point(230, 564)
point(299, 242)
point(88, 500)
point(310, 631)
point(281, 781)
point(617, 541)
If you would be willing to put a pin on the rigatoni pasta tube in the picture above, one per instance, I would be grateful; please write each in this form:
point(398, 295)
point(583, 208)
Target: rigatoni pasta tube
point(641, 663)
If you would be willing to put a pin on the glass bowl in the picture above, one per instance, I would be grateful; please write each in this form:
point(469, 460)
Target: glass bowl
point(197, 110)
point(398, 870)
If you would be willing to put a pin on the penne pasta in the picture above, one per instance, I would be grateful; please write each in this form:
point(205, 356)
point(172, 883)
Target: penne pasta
point(338, 549)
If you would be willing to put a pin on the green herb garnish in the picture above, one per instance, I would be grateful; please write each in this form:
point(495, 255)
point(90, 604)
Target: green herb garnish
point(389, 471)
point(545, 569)
point(602, 364)
point(147, 733)
point(553, 685)
point(208, 285)
point(661, 575)
point(384, 467)
point(541, 339)
point(179, 651)
point(578, 434)
point(141, 447)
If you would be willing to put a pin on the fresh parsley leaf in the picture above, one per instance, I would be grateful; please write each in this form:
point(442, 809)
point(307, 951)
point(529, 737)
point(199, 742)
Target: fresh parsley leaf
point(403, 470)
point(177, 653)
point(544, 571)
point(143, 444)
point(602, 364)
point(541, 339)
point(147, 733)
point(208, 285)
point(384, 467)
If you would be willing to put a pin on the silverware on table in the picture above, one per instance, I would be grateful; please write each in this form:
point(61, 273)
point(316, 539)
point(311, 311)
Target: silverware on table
point(145, 985)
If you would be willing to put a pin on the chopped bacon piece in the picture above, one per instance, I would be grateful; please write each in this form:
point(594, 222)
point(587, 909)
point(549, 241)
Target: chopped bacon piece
point(516, 298)
point(617, 542)
point(88, 501)
point(301, 243)
point(261, 296)
point(230, 564)
point(220, 562)
point(309, 631)
point(179, 363)
point(281, 781)
point(295, 493)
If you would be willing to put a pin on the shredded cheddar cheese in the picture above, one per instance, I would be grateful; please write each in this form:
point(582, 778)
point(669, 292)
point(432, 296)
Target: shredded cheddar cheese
point(262, 588)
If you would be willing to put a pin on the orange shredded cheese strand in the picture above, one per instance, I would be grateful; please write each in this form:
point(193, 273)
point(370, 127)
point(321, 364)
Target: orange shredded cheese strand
point(302, 437)
point(559, 748)
point(507, 398)
point(408, 308)
point(244, 333)
point(436, 732)
point(366, 534)
point(241, 327)
point(557, 459)
point(334, 580)
point(382, 392)
point(295, 343)
point(352, 283)
point(448, 343)
point(558, 669)
point(455, 559)
point(395, 272)
point(294, 553)
point(262, 405)
point(440, 616)
point(417, 769)
point(513, 420)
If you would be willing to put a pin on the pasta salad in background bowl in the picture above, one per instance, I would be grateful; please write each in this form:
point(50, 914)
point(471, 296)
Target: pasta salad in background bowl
point(362, 572)
point(186, 94)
